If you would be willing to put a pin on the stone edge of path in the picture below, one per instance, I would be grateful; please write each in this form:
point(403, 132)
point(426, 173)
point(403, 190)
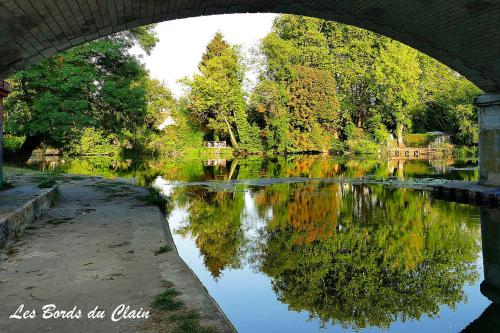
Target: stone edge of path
point(16, 222)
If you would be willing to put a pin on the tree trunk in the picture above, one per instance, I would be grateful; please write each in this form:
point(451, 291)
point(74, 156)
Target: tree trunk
point(231, 134)
point(399, 134)
point(24, 153)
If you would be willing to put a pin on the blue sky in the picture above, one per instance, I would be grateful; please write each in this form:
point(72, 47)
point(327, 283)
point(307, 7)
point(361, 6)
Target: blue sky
point(182, 43)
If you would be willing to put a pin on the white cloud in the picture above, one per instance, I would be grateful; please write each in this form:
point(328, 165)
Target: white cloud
point(182, 42)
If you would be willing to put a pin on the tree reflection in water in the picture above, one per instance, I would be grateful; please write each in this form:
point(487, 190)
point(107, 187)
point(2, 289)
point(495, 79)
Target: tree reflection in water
point(215, 223)
point(357, 256)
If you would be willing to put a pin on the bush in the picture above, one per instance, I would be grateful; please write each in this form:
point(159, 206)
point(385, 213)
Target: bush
point(94, 142)
point(465, 152)
point(362, 146)
point(12, 143)
point(358, 141)
point(418, 140)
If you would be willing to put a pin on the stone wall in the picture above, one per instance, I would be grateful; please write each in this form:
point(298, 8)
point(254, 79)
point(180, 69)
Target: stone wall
point(15, 223)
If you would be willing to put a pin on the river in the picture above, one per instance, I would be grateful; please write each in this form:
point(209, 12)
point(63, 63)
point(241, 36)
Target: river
point(294, 253)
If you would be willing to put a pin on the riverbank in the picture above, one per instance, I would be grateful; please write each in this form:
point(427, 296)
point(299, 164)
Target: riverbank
point(103, 245)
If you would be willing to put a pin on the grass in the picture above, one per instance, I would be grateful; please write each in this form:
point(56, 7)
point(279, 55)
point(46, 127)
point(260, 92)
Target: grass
point(6, 185)
point(46, 183)
point(154, 198)
point(166, 300)
point(190, 323)
point(163, 249)
point(47, 180)
point(171, 310)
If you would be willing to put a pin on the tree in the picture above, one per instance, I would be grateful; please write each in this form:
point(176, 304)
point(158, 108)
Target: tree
point(268, 109)
point(382, 86)
point(313, 106)
point(215, 48)
point(216, 96)
point(94, 85)
point(447, 103)
point(353, 52)
point(301, 102)
point(396, 82)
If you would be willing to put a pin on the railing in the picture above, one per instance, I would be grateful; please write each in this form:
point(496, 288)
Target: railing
point(215, 144)
point(417, 152)
point(216, 162)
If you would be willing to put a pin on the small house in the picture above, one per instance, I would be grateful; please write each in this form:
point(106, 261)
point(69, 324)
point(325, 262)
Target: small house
point(439, 137)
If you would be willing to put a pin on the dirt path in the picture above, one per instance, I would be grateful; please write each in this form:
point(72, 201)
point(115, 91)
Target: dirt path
point(96, 247)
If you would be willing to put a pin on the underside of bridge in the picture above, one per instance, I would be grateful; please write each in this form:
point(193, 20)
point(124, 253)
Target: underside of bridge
point(463, 34)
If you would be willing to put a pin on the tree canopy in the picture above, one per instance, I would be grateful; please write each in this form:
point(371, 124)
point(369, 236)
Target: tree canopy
point(97, 85)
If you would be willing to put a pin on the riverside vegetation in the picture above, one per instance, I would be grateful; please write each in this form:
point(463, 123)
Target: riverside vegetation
point(323, 87)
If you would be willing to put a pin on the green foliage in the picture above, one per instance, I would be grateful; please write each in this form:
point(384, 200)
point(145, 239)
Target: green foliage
point(219, 241)
point(155, 198)
point(166, 300)
point(464, 152)
point(381, 85)
point(396, 75)
point(45, 181)
point(180, 138)
point(448, 103)
point(190, 323)
point(162, 250)
point(6, 185)
point(216, 98)
point(185, 321)
point(12, 143)
point(96, 85)
point(94, 142)
point(340, 257)
point(268, 110)
point(418, 140)
point(144, 36)
point(313, 106)
point(323, 87)
point(356, 256)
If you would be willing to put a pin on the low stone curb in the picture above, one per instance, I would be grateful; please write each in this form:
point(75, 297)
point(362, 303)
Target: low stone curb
point(15, 223)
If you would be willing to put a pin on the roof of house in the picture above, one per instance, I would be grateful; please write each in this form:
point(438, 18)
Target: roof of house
point(437, 133)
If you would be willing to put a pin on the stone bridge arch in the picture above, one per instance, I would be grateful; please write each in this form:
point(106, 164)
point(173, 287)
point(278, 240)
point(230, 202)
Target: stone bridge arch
point(463, 34)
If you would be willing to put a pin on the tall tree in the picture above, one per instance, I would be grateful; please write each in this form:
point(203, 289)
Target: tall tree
point(396, 82)
point(313, 106)
point(217, 99)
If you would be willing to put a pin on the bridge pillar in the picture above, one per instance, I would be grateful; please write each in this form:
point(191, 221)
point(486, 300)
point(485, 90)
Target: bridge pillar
point(489, 139)
point(490, 233)
point(4, 91)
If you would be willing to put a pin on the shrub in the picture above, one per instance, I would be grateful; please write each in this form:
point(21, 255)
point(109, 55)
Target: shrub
point(418, 140)
point(12, 143)
point(362, 146)
point(94, 142)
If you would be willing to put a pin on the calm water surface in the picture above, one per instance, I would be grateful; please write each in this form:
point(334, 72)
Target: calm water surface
point(316, 256)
